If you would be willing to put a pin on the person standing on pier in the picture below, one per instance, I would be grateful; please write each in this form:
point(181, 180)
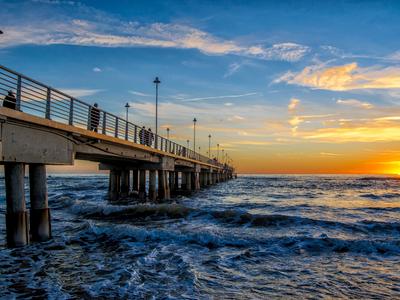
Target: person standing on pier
point(150, 138)
point(94, 117)
point(142, 135)
point(10, 101)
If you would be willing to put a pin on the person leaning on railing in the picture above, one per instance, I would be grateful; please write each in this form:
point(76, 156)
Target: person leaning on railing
point(94, 117)
point(10, 101)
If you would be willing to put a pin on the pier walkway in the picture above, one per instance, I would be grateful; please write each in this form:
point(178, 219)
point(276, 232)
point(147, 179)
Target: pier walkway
point(43, 126)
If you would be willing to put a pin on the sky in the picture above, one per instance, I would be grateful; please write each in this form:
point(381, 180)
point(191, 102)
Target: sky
point(281, 86)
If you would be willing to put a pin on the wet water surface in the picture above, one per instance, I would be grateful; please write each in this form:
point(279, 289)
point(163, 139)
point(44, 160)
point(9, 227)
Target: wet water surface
point(250, 238)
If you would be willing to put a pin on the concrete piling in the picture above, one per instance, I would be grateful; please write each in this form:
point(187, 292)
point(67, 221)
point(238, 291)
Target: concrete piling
point(188, 180)
point(40, 224)
point(152, 185)
point(124, 192)
point(172, 184)
point(142, 184)
point(114, 184)
point(16, 215)
point(163, 186)
point(135, 180)
point(176, 180)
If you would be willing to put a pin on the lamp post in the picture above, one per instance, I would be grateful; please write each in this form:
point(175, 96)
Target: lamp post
point(223, 156)
point(217, 152)
point(209, 146)
point(167, 133)
point(194, 134)
point(187, 143)
point(127, 108)
point(156, 82)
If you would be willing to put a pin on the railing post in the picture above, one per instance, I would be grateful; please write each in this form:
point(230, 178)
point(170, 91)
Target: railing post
point(71, 112)
point(48, 103)
point(135, 137)
point(103, 130)
point(156, 142)
point(18, 99)
point(116, 127)
point(126, 130)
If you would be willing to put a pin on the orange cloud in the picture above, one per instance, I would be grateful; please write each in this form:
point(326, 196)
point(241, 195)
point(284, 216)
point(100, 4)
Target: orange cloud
point(345, 77)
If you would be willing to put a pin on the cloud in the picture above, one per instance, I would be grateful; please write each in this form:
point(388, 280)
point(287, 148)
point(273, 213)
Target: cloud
point(80, 92)
point(294, 102)
point(219, 97)
point(136, 93)
point(329, 154)
point(355, 103)
point(103, 30)
point(228, 104)
point(232, 69)
point(344, 77)
point(96, 69)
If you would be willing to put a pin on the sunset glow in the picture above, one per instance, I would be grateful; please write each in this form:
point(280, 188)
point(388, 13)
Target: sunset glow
point(275, 99)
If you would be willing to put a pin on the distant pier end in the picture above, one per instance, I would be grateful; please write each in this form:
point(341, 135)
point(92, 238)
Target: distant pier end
point(45, 126)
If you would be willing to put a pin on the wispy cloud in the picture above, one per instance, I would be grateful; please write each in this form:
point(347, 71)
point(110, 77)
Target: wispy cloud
point(355, 103)
point(136, 93)
point(344, 77)
point(219, 97)
point(294, 102)
point(96, 69)
point(232, 69)
point(110, 32)
point(80, 92)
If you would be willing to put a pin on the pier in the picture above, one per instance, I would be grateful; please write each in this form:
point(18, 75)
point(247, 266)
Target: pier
point(49, 127)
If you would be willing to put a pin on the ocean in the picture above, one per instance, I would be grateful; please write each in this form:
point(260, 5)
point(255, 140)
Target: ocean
point(256, 237)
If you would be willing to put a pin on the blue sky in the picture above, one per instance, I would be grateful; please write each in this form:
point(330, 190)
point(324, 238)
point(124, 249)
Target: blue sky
point(314, 85)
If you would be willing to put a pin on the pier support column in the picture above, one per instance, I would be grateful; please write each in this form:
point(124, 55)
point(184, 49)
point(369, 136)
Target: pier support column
point(142, 184)
point(16, 215)
point(195, 180)
point(183, 181)
point(135, 180)
point(152, 186)
point(124, 183)
point(40, 212)
point(114, 186)
point(176, 180)
point(172, 183)
point(188, 181)
point(209, 179)
point(163, 186)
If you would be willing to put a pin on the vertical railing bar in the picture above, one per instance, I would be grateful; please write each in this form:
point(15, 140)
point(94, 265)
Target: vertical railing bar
point(135, 137)
point(116, 126)
point(71, 112)
point(104, 122)
point(126, 130)
point(48, 97)
point(18, 99)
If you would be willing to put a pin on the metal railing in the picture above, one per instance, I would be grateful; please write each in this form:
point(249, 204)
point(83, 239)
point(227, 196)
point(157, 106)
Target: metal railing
point(35, 98)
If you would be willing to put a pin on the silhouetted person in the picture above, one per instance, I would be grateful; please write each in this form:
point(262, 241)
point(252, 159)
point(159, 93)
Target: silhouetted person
point(149, 138)
point(94, 117)
point(142, 135)
point(10, 101)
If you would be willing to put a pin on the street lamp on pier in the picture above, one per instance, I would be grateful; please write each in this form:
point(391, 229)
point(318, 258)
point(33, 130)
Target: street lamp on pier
point(194, 134)
point(127, 108)
point(156, 82)
point(217, 152)
point(187, 143)
point(209, 146)
point(167, 133)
